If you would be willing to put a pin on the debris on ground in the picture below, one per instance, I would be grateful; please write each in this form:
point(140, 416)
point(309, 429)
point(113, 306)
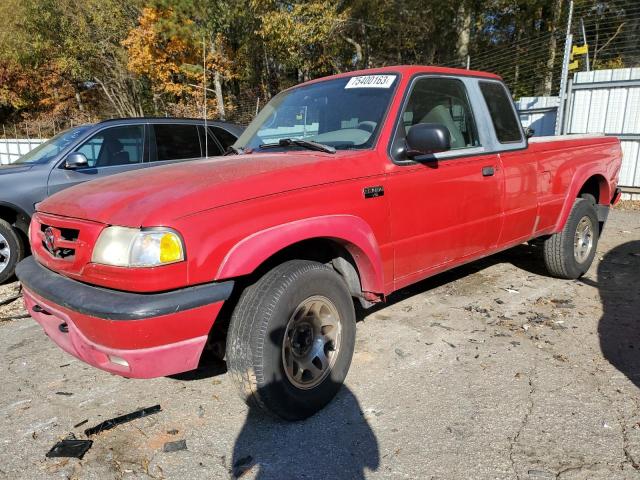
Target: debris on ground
point(175, 446)
point(8, 300)
point(70, 447)
point(114, 422)
point(401, 353)
point(438, 324)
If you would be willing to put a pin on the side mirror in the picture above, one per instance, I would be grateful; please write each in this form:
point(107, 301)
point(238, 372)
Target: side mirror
point(76, 160)
point(529, 132)
point(426, 139)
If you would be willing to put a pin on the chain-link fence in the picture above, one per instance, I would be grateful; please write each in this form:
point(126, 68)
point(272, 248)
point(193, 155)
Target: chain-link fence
point(604, 35)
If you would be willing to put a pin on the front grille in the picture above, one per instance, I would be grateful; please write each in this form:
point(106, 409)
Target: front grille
point(63, 244)
point(59, 242)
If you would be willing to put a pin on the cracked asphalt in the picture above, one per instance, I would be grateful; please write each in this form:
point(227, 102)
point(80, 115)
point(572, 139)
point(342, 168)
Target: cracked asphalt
point(490, 371)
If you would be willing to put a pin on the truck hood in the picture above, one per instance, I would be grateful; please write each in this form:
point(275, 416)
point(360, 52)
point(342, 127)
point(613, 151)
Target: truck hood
point(157, 195)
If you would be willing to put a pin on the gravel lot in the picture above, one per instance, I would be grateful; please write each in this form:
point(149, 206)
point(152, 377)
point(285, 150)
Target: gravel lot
point(492, 371)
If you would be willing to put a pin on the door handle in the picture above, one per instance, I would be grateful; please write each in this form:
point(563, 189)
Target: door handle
point(488, 171)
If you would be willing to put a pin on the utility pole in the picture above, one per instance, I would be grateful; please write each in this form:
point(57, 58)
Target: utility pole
point(584, 41)
point(565, 73)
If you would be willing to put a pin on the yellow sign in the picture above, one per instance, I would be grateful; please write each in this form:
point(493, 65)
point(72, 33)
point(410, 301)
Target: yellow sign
point(582, 50)
point(573, 65)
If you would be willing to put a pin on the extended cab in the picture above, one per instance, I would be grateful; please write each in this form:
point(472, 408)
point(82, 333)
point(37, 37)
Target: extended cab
point(342, 189)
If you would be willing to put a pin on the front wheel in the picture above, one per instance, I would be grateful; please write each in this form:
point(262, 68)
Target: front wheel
point(11, 250)
point(569, 253)
point(291, 339)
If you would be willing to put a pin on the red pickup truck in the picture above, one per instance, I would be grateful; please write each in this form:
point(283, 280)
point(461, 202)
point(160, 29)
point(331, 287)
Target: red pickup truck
point(342, 189)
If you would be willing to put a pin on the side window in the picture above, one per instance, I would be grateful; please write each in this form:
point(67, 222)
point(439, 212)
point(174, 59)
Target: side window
point(505, 122)
point(213, 149)
point(225, 138)
point(115, 146)
point(176, 141)
point(443, 101)
point(91, 149)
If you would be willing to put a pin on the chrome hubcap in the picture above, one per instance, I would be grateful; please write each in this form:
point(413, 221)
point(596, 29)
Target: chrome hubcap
point(5, 253)
point(311, 342)
point(583, 239)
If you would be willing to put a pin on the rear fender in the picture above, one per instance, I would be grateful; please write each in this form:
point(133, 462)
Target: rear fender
point(579, 179)
point(350, 231)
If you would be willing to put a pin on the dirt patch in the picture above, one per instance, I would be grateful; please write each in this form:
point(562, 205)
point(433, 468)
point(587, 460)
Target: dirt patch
point(629, 205)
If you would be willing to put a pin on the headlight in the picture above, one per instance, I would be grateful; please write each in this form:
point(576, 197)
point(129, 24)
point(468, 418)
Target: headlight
point(133, 247)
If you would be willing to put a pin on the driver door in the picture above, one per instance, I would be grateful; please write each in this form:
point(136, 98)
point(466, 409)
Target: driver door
point(112, 150)
point(449, 208)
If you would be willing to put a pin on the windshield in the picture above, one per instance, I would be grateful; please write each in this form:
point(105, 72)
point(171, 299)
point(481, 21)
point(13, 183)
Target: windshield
point(48, 150)
point(344, 113)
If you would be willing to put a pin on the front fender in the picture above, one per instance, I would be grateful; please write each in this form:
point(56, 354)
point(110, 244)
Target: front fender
point(351, 231)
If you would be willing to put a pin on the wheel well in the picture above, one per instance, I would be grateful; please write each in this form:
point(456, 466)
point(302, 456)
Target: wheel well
point(595, 186)
point(322, 250)
point(16, 219)
point(8, 214)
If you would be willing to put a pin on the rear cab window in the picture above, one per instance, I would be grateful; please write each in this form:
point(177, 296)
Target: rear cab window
point(505, 122)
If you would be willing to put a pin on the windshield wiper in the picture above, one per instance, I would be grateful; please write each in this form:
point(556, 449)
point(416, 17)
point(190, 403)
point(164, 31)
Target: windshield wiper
point(296, 142)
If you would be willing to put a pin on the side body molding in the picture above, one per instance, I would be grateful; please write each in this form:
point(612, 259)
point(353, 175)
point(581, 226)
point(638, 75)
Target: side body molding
point(350, 231)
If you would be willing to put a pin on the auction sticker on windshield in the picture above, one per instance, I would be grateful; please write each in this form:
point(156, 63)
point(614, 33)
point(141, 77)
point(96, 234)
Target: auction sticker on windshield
point(371, 81)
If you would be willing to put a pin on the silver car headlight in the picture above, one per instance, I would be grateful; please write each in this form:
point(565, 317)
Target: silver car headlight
point(135, 247)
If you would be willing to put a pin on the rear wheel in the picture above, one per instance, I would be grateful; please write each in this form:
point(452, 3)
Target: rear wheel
point(11, 250)
point(291, 339)
point(569, 253)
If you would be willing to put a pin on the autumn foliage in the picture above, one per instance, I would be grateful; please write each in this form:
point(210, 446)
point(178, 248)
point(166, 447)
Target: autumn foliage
point(64, 61)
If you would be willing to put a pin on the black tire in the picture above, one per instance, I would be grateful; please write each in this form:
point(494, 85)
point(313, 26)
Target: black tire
point(255, 341)
point(9, 240)
point(560, 249)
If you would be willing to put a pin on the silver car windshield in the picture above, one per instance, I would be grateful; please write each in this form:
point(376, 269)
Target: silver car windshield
point(48, 150)
point(344, 113)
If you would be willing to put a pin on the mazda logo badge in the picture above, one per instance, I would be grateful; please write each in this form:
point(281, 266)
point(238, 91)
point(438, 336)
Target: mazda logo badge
point(49, 240)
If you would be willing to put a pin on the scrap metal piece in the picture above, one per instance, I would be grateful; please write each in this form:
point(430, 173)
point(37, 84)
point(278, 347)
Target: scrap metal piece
point(114, 422)
point(70, 448)
point(175, 446)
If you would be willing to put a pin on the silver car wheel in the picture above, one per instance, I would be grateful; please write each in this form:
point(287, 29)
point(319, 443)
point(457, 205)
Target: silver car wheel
point(5, 253)
point(583, 240)
point(311, 342)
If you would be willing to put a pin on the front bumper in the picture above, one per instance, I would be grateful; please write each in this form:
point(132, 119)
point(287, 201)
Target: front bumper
point(129, 334)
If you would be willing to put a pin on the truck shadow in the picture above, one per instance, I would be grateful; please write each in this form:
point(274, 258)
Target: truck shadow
point(337, 442)
point(619, 327)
